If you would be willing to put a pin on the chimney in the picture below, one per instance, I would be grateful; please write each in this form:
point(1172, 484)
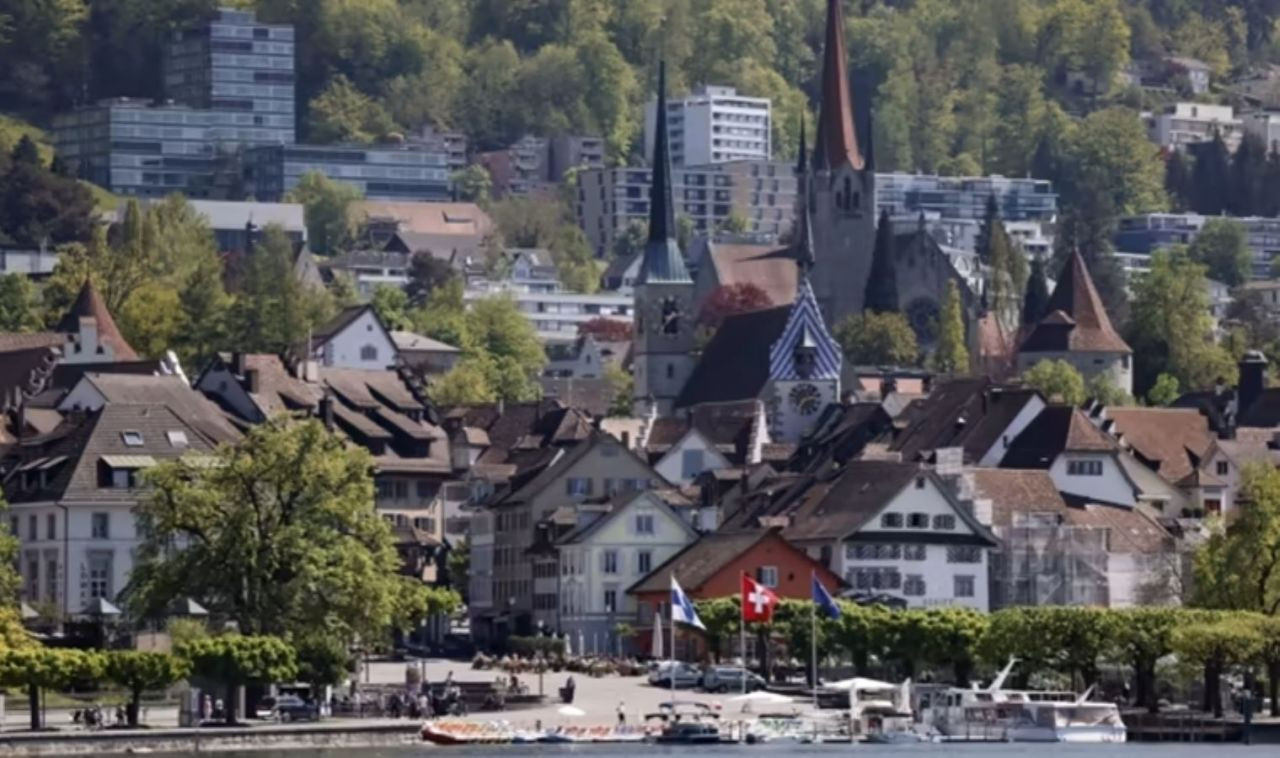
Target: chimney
point(239, 362)
point(326, 410)
point(1253, 379)
point(251, 378)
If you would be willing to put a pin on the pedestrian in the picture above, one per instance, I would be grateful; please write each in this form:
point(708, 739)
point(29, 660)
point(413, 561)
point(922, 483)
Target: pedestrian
point(622, 713)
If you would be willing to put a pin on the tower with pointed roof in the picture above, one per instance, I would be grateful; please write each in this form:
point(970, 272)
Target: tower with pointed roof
point(1077, 329)
point(664, 319)
point(842, 186)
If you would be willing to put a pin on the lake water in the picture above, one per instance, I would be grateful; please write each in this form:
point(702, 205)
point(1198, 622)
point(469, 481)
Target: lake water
point(1135, 750)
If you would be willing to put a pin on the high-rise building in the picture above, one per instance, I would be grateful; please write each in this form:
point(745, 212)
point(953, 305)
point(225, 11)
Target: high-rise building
point(759, 195)
point(966, 197)
point(714, 125)
point(235, 63)
point(380, 172)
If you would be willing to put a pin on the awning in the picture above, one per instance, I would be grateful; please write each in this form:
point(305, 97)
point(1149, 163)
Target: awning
point(129, 461)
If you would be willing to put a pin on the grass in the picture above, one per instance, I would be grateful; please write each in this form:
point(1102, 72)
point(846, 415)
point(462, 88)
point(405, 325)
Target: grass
point(17, 700)
point(12, 130)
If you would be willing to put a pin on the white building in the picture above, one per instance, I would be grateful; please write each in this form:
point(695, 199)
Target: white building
point(355, 338)
point(601, 558)
point(1265, 125)
point(1182, 124)
point(556, 316)
point(714, 125)
point(1083, 461)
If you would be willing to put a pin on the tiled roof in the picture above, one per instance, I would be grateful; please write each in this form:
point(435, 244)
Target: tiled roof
point(727, 426)
point(699, 562)
point(10, 341)
point(735, 363)
point(591, 396)
point(168, 390)
point(408, 341)
point(89, 304)
point(1058, 429)
point(1077, 319)
point(338, 323)
point(448, 219)
point(1170, 440)
point(769, 267)
point(966, 413)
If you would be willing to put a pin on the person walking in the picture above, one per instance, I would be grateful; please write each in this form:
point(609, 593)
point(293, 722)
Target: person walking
point(622, 712)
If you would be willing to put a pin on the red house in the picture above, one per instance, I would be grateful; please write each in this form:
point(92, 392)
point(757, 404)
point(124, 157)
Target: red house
point(713, 567)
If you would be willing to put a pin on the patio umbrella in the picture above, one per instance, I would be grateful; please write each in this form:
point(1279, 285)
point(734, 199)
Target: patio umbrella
point(860, 683)
point(655, 647)
point(582, 643)
point(568, 646)
point(761, 696)
point(570, 710)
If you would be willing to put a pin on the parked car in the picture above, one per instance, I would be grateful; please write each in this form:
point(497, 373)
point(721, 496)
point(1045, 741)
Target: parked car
point(294, 708)
point(686, 675)
point(730, 679)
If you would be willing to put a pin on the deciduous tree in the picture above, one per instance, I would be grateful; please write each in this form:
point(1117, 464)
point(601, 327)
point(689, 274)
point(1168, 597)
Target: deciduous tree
point(878, 339)
point(1056, 379)
point(1222, 249)
point(138, 671)
point(729, 300)
point(236, 660)
point(327, 209)
point(41, 668)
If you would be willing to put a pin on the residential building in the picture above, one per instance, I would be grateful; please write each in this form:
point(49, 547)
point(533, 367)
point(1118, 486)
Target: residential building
point(371, 269)
point(424, 355)
point(1077, 329)
point(452, 144)
point(1251, 407)
point(356, 339)
point(1183, 124)
point(33, 263)
point(977, 417)
point(1033, 235)
point(236, 64)
point(593, 397)
point(762, 194)
point(1197, 72)
point(599, 559)
point(1173, 442)
point(454, 232)
point(236, 226)
point(1083, 460)
point(587, 357)
point(621, 275)
point(1265, 125)
point(965, 197)
point(713, 567)
point(1143, 235)
point(556, 316)
point(539, 163)
point(712, 437)
point(714, 124)
point(401, 171)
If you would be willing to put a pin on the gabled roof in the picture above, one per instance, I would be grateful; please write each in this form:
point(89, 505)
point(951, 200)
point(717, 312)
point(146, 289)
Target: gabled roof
point(621, 505)
point(170, 391)
point(768, 267)
point(1077, 319)
point(340, 322)
point(837, 139)
point(409, 341)
point(556, 462)
point(727, 427)
point(735, 363)
point(805, 327)
point(966, 413)
point(1058, 429)
point(592, 396)
point(437, 219)
point(1170, 440)
point(699, 562)
point(618, 268)
point(89, 304)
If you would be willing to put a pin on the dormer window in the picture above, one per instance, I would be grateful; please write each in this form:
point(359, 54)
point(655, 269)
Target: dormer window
point(177, 438)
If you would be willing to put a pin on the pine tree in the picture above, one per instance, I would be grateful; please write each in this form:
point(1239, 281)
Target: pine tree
point(1177, 180)
point(1248, 171)
point(1036, 296)
point(951, 356)
point(990, 217)
point(1271, 185)
point(1210, 177)
point(882, 283)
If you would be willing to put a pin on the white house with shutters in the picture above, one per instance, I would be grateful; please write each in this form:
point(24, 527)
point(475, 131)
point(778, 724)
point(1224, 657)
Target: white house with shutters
point(600, 559)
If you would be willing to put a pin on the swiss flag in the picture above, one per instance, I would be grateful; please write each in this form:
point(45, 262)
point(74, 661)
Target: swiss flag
point(758, 601)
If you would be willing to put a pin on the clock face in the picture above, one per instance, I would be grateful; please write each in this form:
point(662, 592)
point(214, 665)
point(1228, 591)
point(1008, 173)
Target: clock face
point(805, 398)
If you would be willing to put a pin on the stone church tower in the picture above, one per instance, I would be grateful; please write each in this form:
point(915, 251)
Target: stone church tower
point(664, 319)
point(843, 187)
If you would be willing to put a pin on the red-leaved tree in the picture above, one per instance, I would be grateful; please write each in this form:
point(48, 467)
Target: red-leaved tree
point(605, 329)
point(730, 299)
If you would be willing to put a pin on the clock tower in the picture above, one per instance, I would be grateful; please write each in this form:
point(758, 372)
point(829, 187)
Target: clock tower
point(664, 342)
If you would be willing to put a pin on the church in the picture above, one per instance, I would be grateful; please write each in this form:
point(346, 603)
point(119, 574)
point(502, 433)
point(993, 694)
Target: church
point(784, 356)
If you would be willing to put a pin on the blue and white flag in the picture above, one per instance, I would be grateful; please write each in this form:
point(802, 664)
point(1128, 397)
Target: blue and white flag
point(823, 600)
point(682, 609)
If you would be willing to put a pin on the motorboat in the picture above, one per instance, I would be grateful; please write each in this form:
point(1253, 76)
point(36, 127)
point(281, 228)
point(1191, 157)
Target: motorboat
point(688, 722)
point(689, 733)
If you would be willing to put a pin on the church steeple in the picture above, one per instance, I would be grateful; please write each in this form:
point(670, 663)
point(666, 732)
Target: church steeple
point(662, 259)
point(837, 140)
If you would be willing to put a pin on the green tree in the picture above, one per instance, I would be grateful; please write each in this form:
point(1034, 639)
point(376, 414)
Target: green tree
point(1222, 248)
point(139, 671)
point(506, 341)
point(327, 208)
point(39, 207)
point(236, 660)
point(322, 660)
point(1238, 567)
point(951, 355)
point(342, 113)
point(392, 306)
point(1164, 391)
point(275, 311)
point(10, 580)
point(721, 617)
point(473, 184)
point(622, 385)
point(426, 273)
point(1142, 637)
point(1110, 156)
point(1056, 379)
point(878, 339)
point(1035, 299)
point(1177, 181)
point(1211, 176)
point(882, 283)
point(1103, 388)
point(17, 304)
point(41, 668)
point(1248, 176)
point(281, 538)
point(467, 383)
point(1217, 645)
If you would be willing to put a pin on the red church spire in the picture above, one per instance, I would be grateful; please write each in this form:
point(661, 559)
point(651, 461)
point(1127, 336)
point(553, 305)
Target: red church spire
point(837, 140)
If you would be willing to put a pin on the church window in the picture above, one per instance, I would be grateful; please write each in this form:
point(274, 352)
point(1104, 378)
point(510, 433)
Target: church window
point(670, 317)
point(671, 371)
point(804, 360)
point(846, 197)
point(856, 202)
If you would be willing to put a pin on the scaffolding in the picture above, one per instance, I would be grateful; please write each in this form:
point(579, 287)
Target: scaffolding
point(1044, 561)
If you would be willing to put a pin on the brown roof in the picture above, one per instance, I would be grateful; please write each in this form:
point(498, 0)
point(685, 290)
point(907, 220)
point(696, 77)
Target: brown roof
point(447, 219)
point(1058, 429)
point(768, 267)
point(837, 140)
point(592, 396)
point(968, 413)
point(1016, 493)
point(699, 562)
point(89, 304)
point(727, 426)
point(10, 341)
point(1077, 319)
point(1170, 440)
point(170, 391)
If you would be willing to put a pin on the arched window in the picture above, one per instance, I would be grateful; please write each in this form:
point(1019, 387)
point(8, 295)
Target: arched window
point(368, 353)
point(846, 197)
point(671, 371)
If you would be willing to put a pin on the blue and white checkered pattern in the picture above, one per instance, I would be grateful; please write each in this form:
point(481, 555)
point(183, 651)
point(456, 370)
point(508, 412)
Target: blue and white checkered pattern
point(805, 315)
point(682, 609)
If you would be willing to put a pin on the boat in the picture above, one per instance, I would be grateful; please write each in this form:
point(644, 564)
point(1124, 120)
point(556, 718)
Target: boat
point(687, 722)
point(996, 714)
point(689, 733)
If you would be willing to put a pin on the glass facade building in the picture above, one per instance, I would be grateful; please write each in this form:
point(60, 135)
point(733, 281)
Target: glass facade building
point(966, 196)
point(395, 172)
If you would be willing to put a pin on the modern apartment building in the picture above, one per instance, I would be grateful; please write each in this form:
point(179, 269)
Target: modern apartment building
point(237, 64)
point(1143, 235)
point(540, 163)
point(965, 197)
point(1182, 124)
point(452, 144)
point(714, 125)
point(760, 193)
point(380, 172)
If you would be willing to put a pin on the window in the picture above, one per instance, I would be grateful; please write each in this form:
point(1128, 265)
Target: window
point(644, 523)
point(767, 575)
point(918, 520)
point(578, 486)
point(944, 521)
point(874, 578)
point(610, 600)
point(385, 490)
point(33, 527)
point(425, 491)
point(368, 353)
point(1224, 468)
point(13, 526)
point(913, 585)
point(51, 579)
point(1084, 468)
point(131, 438)
point(964, 554)
point(100, 526)
point(644, 562)
point(891, 521)
point(100, 573)
point(919, 482)
point(964, 585)
point(691, 464)
point(177, 438)
point(33, 576)
point(51, 526)
point(401, 490)
point(914, 552)
point(610, 561)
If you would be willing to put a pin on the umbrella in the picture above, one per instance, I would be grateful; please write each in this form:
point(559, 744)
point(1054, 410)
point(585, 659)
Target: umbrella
point(568, 645)
point(582, 643)
point(655, 648)
point(570, 710)
point(860, 683)
point(760, 696)
point(29, 613)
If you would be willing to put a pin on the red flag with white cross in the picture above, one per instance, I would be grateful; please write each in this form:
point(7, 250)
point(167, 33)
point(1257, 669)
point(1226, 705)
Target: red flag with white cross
point(758, 601)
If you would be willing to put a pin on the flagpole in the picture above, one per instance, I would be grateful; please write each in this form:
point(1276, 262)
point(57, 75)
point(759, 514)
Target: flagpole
point(742, 631)
point(672, 670)
point(813, 641)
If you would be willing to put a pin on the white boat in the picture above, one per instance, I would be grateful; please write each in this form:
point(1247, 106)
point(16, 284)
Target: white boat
point(997, 714)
